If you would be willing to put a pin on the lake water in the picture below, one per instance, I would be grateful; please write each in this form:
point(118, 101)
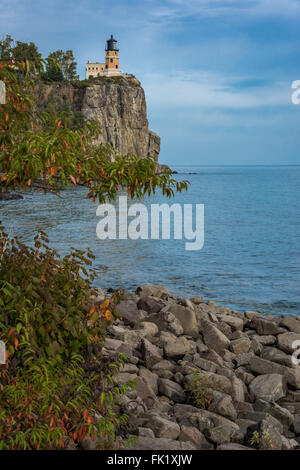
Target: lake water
point(251, 255)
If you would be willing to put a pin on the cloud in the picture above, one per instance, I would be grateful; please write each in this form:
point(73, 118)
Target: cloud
point(207, 90)
point(173, 10)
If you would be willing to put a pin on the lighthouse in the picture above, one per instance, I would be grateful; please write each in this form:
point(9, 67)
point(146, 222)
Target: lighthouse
point(111, 66)
point(112, 57)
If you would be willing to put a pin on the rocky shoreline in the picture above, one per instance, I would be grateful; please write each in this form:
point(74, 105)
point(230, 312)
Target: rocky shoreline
point(206, 377)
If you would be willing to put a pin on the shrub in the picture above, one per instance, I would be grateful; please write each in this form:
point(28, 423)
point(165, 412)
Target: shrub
point(261, 440)
point(56, 385)
point(200, 391)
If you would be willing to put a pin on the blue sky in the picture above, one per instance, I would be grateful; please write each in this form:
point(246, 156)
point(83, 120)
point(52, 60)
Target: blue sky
point(217, 74)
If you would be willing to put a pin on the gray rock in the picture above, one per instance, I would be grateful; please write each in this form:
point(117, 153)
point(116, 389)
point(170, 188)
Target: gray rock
point(145, 393)
point(215, 339)
point(176, 349)
point(124, 378)
point(265, 327)
point(166, 321)
point(276, 355)
point(147, 443)
point(150, 378)
point(289, 444)
point(182, 411)
point(264, 340)
point(296, 425)
point(240, 346)
point(155, 291)
point(187, 318)
point(128, 310)
point(268, 387)
point(262, 366)
point(163, 427)
point(150, 329)
point(267, 426)
point(220, 434)
point(151, 354)
point(243, 359)
point(171, 390)
point(145, 432)
point(286, 341)
point(214, 381)
point(192, 434)
point(250, 314)
point(291, 323)
point(273, 409)
point(222, 404)
point(164, 365)
point(197, 300)
point(238, 390)
point(235, 322)
point(233, 446)
point(150, 305)
point(204, 364)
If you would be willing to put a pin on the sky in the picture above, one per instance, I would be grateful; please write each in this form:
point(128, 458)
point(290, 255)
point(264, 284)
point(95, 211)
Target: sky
point(217, 73)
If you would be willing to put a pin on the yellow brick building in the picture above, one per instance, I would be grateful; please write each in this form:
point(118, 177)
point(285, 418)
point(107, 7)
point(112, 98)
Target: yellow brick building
point(111, 66)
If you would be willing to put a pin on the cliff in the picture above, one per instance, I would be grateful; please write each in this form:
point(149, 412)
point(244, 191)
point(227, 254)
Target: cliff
point(118, 104)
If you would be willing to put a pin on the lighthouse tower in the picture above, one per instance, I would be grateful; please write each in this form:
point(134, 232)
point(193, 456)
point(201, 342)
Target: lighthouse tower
point(111, 66)
point(112, 58)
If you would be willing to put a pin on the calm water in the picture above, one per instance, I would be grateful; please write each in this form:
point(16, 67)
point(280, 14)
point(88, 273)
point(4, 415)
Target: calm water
point(251, 255)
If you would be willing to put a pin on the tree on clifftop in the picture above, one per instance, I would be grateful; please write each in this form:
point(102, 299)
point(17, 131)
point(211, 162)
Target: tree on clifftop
point(67, 63)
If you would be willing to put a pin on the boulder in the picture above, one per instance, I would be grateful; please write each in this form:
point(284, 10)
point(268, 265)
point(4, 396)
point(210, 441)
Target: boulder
point(149, 329)
point(150, 305)
point(171, 390)
point(233, 446)
point(150, 378)
point(236, 323)
point(291, 324)
point(204, 364)
point(187, 318)
point(151, 354)
point(163, 427)
point(176, 349)
point(240, 346)
point(128, 310)
point(286, 342)
point(281, 414)
point(192, 434)
point(147, 443)
point(215, 339)
point(222, 404)
point(166, 321)
point(265, 327)
point(268, 387)
point(164, 365)
point(145, 393)
point(220, 434)
point(154, 291)
point(262, 366)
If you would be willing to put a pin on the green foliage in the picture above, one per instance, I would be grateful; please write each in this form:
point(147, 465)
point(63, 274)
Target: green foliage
point(56, 386)
point(66, 62)
point(6, 48)
point(53, 73)
point(200, 391)
point(261, 440)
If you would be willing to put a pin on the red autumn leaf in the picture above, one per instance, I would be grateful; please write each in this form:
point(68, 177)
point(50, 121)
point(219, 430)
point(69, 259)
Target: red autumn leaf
point(59, 124)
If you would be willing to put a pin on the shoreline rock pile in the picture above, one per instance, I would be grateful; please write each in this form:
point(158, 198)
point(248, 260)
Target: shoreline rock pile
point(243, 366)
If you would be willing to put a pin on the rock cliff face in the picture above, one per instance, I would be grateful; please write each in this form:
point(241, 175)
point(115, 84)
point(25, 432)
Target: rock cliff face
point(118, 104)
